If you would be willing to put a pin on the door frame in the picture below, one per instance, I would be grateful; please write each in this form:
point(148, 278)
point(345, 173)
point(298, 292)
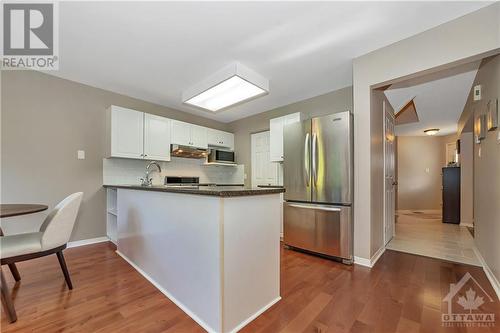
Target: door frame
point(384, 113)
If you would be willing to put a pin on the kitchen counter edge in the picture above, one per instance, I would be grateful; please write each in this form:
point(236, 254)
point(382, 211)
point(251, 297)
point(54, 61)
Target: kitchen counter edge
point(218, 191)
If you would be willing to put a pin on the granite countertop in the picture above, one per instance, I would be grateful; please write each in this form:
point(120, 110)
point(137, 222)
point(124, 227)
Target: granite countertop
point(217, 191)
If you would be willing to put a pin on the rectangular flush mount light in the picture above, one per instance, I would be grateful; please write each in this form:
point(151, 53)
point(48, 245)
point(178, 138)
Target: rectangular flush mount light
point(231, 85)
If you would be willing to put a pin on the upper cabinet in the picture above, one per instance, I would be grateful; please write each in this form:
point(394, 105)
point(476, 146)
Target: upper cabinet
point(156, 137)
point(276, 127)
point(127, 132)
point(139, 135)
point(135, 134)
point(221, 139)
point(186, 134)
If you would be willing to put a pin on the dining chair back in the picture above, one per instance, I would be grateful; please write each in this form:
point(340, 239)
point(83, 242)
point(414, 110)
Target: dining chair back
point(58, 225)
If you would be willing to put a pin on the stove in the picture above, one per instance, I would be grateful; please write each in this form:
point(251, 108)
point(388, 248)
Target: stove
point(182, 182)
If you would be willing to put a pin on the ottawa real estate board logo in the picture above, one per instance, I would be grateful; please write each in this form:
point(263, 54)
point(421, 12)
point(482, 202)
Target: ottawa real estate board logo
point(468, 304)
point(30, 38)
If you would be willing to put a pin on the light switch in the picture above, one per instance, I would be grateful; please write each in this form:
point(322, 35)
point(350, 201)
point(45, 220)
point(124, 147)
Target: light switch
point(81, 154)
point(498, 137)
point(427, 170)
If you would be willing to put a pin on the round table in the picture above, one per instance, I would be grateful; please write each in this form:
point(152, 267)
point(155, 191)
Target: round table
point(8, 210)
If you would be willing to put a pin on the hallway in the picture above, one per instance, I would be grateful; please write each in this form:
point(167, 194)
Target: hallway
point(423, 233)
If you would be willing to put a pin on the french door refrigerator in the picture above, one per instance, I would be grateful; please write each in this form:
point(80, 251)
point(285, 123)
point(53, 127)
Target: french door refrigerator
point(318, 178)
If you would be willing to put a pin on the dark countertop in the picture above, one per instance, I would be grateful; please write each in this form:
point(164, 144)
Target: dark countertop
point(217, 191)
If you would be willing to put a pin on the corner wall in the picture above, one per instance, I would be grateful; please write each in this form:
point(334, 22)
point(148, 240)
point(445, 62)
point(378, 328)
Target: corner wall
point(487, 169)
point(435, 49)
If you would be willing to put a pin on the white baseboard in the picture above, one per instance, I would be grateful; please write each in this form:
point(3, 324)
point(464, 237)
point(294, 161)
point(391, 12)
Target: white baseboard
point(377, 255)
point(88, 241)
point(466, 225)
point(489, 274)
point(362, 261)
point(169, 296)
point(255, 315)
point(372, 261)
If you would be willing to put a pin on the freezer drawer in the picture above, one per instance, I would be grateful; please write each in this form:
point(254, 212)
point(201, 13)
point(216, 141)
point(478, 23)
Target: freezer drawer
point(319, 228)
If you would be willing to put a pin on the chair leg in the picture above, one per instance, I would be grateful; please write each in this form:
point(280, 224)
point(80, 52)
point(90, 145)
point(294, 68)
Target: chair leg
point(7, 300)
point(62, 262)
point(15, 272)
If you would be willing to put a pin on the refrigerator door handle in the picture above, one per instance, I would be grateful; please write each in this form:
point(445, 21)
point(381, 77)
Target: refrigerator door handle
point(315, 158)
point(316, 207)
point(307, 170)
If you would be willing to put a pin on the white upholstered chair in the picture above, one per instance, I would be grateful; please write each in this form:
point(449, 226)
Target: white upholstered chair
point(52, 238)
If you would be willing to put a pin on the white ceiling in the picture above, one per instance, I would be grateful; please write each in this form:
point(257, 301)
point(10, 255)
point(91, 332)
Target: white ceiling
point(155, 50)
point(439, 99)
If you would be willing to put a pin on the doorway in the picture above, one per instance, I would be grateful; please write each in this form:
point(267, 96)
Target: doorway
point(423, 194)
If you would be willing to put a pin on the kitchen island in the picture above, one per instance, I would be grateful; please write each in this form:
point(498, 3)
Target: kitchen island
point(213, 251)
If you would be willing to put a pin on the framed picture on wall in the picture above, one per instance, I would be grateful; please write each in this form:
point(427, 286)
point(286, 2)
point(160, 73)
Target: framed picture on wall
point(492, 113)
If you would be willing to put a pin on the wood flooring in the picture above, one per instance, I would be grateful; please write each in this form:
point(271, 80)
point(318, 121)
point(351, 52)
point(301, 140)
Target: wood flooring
point(402, 293)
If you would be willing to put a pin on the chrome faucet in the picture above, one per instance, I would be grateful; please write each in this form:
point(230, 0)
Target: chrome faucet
point(146, 181)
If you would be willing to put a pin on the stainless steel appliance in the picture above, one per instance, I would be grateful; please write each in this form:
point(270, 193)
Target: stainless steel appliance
point(182, 182)
point(221, 156)
point(318, 169)
point(188, 152)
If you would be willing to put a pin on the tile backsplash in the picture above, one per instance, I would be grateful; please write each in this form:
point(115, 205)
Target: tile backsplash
point(117, 171)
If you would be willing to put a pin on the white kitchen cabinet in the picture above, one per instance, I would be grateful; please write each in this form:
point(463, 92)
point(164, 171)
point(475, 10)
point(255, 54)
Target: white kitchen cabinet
point(218, 138)
point(199, 136)
point(186, 134)
point(156, 137)
point(127, 132)
point(276, 127)
point(137, 135)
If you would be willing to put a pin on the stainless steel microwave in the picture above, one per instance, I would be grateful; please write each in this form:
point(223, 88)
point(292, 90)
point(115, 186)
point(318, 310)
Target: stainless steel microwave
point(221, 156)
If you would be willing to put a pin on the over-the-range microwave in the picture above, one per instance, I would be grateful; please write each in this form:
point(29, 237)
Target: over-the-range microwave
point(221, 156)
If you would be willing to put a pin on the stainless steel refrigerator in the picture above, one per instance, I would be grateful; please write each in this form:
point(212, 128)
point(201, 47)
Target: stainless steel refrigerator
point(318, 178)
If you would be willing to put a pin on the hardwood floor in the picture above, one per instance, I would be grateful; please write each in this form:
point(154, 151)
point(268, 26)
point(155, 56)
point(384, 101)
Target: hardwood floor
point(402, 293)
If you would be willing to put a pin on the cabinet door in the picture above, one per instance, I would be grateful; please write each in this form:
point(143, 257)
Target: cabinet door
point(213, 137)
point(228, 140)
point(156, 138)
point(218, 138)
point(276, 139)
point(127, 133)
point(181, 133)
point(198, 136)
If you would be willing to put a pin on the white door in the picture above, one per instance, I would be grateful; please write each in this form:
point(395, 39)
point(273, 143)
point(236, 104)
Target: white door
point(389, 175)
point(264, 172)
point(127, 133)
point(156, 138)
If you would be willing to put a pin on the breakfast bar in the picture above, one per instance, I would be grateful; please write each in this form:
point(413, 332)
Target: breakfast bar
point(213, 251)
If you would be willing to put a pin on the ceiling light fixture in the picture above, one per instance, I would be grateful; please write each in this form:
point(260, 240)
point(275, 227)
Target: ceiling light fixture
point(431, 131)
point(231, 85)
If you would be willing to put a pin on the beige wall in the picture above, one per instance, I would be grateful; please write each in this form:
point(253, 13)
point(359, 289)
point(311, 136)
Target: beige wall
point(432, 50)
point(417, 188)
point(487, 170)
point(45, 120)
point(336, 101)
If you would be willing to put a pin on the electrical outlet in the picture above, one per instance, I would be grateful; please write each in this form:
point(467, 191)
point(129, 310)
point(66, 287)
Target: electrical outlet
point(81, 154)
point(427, 170)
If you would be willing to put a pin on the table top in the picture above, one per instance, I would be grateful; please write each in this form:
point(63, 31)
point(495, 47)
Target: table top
point(8, 210)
